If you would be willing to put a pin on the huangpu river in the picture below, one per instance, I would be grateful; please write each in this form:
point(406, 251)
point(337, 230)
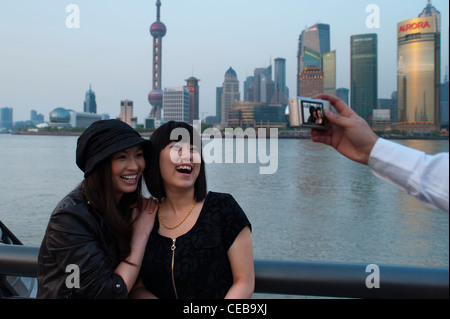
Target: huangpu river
point(316, 206)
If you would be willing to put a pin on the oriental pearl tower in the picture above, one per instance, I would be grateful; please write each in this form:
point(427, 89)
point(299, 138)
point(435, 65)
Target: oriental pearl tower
point(155, 97)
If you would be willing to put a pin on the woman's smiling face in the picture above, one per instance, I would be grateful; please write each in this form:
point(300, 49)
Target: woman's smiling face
point(127, 167)
point(180, 165)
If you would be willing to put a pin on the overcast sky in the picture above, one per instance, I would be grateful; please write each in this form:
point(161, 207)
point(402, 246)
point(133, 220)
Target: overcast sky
point(44, 64)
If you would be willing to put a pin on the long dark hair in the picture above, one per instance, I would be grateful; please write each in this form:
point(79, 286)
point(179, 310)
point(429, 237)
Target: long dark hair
point(160, 139)
point(98, 190)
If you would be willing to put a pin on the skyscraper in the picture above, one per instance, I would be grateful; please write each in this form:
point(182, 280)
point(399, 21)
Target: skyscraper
point(248, 88)
point(230, 94)
point(313, 42)
point(281, 91)
point(263, 85)
point(158, 31)
point(431, 11)
point(126, 113)
point(364, 74)
point(329, 72)
point(418, 74)
point(176, 104)
point(6, 118)
point(219, 104)
point(194, 98)
point(317, 38)
point(36, 118)
point(90, 105)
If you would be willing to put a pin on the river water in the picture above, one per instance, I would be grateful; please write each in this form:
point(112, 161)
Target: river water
point(317, 206)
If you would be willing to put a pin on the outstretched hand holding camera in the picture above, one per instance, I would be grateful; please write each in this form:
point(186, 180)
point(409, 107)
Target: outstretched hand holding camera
point(349, 133)
point(422, 176)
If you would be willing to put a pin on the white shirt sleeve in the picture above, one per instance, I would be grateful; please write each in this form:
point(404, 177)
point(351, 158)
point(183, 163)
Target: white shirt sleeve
point(420, 175)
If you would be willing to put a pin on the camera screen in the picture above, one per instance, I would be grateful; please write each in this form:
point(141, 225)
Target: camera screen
point(313, 113)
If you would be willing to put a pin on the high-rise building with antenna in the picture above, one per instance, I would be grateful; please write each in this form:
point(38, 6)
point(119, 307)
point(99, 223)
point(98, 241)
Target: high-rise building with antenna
point(230, 94)
point(194, 98)
point(90, 105)
point(418, 72)
point(312, 44)
point(431, 11)
point(158, 31)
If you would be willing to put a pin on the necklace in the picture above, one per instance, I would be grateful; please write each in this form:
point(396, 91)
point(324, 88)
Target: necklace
point(171, 228)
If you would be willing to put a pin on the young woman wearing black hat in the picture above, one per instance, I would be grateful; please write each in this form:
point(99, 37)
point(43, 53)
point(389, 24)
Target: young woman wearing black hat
point(201, 245)
point(95, 240)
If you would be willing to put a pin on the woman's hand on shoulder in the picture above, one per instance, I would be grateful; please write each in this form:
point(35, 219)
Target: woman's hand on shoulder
point(145, 219)
point(150, 206)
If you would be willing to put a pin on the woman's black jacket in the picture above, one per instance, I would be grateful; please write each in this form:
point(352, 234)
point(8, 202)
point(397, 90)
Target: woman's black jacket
point(76, 260)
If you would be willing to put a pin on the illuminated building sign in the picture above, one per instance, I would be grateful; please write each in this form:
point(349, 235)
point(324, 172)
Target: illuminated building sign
point(416, 25)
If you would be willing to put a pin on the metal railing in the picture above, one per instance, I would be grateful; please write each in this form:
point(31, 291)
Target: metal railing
point(348, 280)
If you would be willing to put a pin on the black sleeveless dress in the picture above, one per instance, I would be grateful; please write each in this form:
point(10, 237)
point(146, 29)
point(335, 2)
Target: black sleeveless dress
point(195, 265)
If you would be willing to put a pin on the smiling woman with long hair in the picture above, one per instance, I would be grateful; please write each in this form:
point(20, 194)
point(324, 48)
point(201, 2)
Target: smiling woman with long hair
point(102, 226)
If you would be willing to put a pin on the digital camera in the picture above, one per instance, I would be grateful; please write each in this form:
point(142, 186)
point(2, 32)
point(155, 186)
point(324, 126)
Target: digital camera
point(307, 113)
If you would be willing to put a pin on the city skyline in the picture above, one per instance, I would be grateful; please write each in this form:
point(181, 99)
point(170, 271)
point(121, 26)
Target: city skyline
point(46, 65)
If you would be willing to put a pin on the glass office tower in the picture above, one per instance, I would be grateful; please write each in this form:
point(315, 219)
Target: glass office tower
point(281, 91)
point(6, 118)
point(418, 74)
point(364, 74)
point(315, 38)
point(329, 72)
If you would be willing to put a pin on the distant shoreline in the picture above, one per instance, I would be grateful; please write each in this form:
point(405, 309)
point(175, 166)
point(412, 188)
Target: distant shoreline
point(280, 136)
point(48, 133)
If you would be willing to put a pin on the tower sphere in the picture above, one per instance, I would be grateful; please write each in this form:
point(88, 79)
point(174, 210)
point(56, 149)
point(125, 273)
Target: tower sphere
point(158, 29)
point(155, 97)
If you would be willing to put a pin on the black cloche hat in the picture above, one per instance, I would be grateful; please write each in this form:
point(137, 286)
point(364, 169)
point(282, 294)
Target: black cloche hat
point(104, 138)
